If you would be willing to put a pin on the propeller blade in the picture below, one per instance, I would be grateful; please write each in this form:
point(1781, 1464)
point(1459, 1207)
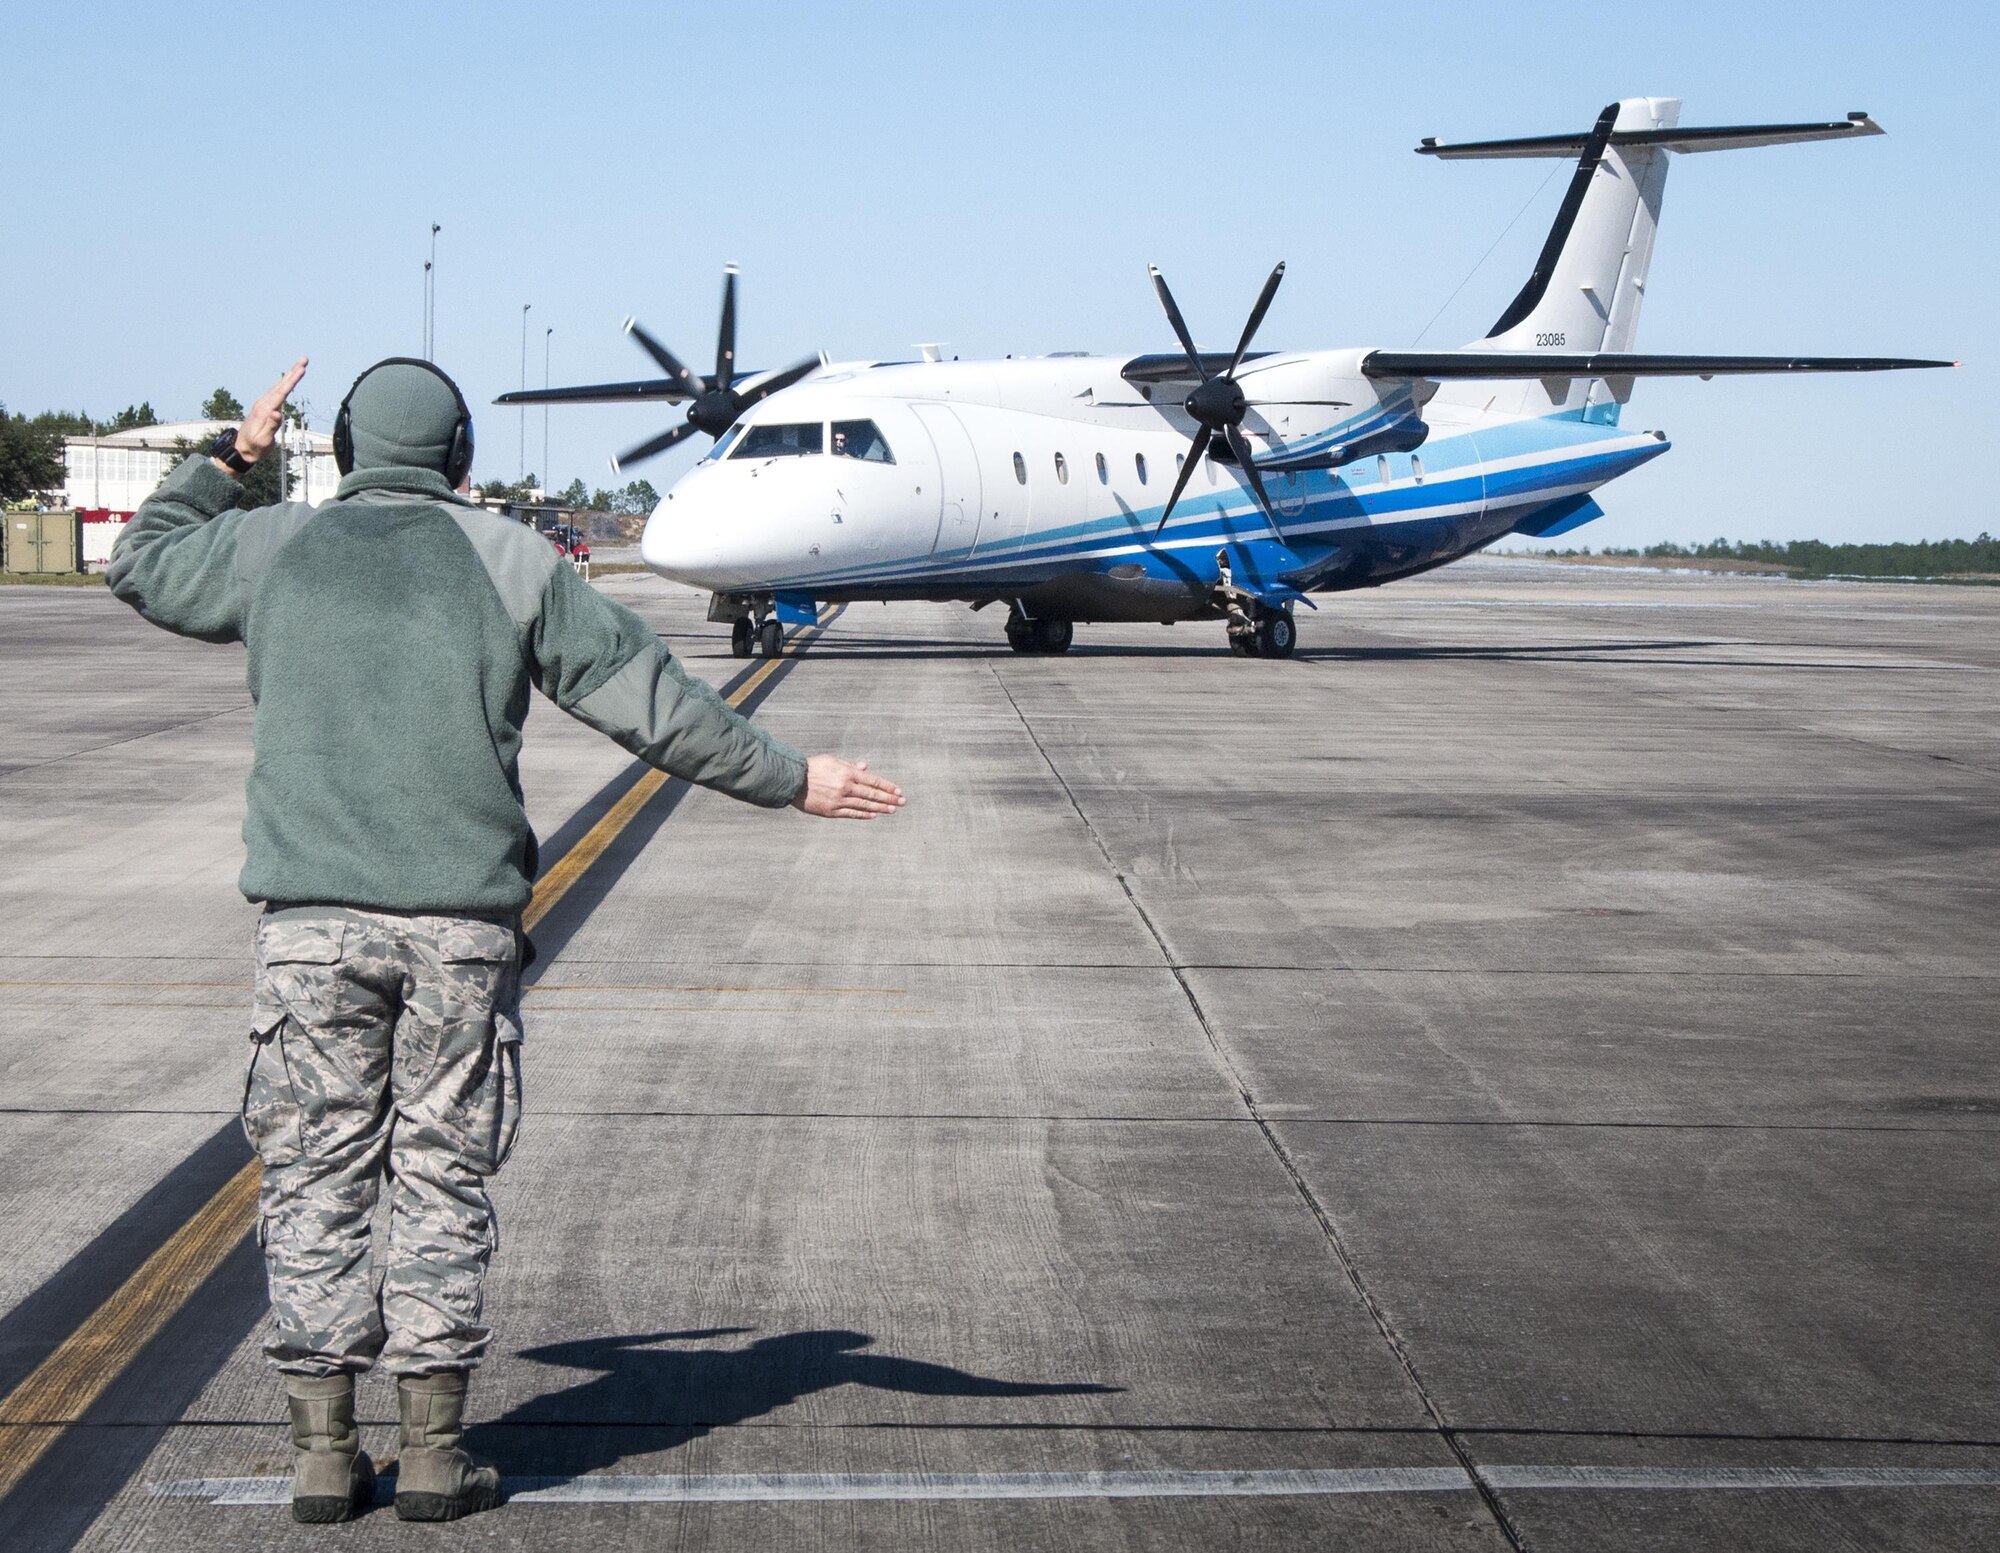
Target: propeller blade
point(1256, 317)
point(763, 388)
point(668, 362)
point(1196, 452)
point(1240, 446)
point(725, 337)
point(1174, 318)
point(651, 446)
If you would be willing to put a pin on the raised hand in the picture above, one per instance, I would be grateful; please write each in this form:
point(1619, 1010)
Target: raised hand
point(259, 427)
point(839, 789)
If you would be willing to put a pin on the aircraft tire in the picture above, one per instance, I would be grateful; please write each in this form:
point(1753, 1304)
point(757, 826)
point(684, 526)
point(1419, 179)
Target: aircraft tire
point(1054, 635)
point(1242, 645)
point(742, 638)
point(1277, 635)
point(771, 637)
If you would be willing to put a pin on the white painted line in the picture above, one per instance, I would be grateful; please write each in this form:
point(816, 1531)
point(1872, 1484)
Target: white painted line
point(735, 1488)
point(1740, 1477)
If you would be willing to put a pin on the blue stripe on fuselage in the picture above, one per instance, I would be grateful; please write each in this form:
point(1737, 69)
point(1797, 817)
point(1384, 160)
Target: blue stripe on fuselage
point(1459, 472)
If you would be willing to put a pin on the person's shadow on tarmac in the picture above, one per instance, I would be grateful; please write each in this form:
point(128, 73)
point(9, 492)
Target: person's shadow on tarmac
point(647, 1399)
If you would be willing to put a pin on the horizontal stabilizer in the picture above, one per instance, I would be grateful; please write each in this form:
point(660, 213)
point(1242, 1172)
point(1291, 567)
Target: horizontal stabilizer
point(1720, 137)
point(1482, 364)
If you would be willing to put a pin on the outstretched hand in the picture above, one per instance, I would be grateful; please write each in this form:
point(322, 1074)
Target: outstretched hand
point(839, 789)
point(259, 427)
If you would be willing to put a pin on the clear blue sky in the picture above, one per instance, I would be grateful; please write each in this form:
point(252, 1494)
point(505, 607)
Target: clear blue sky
point(200, 196)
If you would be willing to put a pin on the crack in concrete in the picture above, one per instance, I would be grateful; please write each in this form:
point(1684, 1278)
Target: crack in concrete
point(1487, 1493)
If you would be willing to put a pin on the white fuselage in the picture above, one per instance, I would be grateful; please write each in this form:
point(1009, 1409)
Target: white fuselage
point(1045, 478)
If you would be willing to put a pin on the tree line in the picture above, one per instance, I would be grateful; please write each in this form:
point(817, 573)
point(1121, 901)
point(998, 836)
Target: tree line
point(1816, 558)
point(636, 498)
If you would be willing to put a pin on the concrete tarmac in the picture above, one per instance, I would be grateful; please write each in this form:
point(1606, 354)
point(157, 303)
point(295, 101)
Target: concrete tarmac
point(1520, 1073)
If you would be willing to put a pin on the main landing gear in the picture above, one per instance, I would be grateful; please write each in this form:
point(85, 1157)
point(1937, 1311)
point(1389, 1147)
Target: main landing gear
point(1272, 633)
point(1038, 635)
point(1256, 630)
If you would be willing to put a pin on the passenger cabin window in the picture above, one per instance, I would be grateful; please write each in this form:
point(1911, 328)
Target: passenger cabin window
point(1382, 467)
point(1020, 469)
point(1062, 470)
point(789, 440)
point(1103, 471)
point(862, 440)
point(1417, 467)
point(1139, 463)
point(725, 442)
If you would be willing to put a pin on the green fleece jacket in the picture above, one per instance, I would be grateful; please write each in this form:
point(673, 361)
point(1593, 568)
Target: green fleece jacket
point(393, 634)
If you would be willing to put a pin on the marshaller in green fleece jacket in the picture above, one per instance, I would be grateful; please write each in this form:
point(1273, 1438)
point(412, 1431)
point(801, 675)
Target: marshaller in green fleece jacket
point(393, 636)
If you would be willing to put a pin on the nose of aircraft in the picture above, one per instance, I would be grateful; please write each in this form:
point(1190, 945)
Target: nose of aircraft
point(682, 536)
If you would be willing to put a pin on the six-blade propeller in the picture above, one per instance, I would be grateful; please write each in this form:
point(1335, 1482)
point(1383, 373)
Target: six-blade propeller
point(715, 401)
point(1217, 405)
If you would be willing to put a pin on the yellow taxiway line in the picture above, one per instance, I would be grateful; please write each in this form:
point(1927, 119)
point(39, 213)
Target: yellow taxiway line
point(61, 1389)
point(63, 1386)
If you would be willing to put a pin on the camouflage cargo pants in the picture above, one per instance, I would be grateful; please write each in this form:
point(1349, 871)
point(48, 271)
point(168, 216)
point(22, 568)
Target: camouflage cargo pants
point(387, 1047)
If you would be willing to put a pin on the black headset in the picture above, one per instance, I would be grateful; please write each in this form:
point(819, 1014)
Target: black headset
point(457, 458)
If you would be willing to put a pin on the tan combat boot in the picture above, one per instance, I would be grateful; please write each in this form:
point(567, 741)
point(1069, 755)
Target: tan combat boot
point(332, 1477)
point(435, 1479)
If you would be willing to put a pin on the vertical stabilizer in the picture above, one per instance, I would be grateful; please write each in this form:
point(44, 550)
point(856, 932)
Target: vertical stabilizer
point(1588, 282)
point(1590, 278)
point(1584, 294)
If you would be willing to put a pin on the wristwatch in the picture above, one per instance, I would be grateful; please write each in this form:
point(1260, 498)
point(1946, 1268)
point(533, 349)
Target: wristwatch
point(223, 449)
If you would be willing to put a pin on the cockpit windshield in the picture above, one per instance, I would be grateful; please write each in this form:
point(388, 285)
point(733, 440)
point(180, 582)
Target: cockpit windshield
point(724, 443)
point(780, 441)
point(863, 440)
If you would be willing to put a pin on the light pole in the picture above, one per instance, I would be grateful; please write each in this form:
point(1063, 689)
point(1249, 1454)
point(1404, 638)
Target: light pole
point(521, 474)
point(547, 336)
point(430, 297)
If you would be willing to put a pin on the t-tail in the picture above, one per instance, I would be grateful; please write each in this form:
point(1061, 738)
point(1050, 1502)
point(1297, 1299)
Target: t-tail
point(1564, 345)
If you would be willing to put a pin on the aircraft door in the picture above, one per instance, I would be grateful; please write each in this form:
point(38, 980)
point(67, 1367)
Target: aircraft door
point(958, 482)
point(1474, 528)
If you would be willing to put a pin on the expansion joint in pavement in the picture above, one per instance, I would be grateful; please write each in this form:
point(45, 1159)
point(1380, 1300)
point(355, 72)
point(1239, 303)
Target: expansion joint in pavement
point(1328, 1229)
point(134, 738)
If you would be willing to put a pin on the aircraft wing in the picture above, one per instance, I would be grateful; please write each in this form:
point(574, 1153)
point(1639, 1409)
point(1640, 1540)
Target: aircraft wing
point(1475, 364)
point(1173, 367)
point(599, 393)
point(646, 389)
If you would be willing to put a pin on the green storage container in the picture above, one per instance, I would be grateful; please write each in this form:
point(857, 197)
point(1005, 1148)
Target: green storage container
point(43, 542)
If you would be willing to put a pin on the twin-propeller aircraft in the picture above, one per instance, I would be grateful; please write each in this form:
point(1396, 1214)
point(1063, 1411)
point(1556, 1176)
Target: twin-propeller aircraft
point(1193, 484)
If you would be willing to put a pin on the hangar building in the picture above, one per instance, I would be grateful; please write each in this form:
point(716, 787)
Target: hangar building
point(107, 477)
